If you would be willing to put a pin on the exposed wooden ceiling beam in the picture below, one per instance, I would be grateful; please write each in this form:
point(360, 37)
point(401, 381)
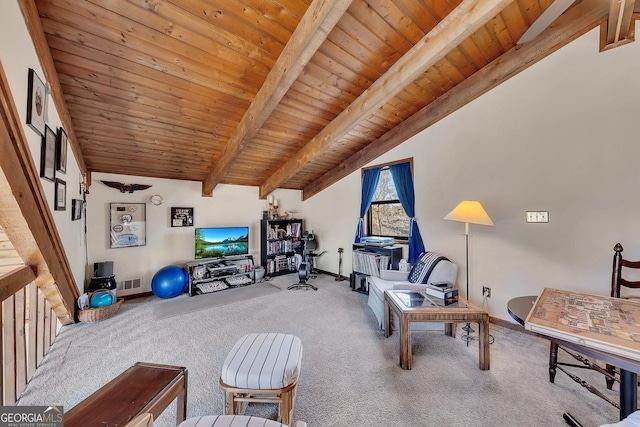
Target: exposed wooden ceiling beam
point(32, 19)
point(568, 27)
point(619, 29)
point(315, 26)
point(463, 21)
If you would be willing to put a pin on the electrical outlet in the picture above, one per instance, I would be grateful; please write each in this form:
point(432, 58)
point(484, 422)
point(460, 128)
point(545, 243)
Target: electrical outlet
point(486, 292)
point(537, 216)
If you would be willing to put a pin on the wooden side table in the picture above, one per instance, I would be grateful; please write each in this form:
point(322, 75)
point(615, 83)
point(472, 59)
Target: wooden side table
point(144, 387)
point(412, 306)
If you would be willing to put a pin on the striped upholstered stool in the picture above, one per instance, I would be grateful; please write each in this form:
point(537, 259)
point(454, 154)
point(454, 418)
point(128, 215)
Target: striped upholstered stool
point(233, 421)
point(262, 368)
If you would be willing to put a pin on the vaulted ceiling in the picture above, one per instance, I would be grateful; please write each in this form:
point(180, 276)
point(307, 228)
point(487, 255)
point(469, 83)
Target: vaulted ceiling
point(285, 93)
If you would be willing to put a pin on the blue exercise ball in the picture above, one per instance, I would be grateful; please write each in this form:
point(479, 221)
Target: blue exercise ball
point(169, 281)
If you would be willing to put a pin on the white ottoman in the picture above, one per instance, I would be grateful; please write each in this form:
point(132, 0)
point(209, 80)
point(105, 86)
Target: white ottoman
point(262, 368)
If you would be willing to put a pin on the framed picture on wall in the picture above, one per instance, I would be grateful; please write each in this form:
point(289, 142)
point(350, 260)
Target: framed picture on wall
point(61, 195)
point(181, 217)
point(36, 102)
point(128, 225)
point(48, 155)
point(76, 209)
point(61, 151)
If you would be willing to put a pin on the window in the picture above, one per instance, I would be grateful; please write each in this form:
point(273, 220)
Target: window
point(386, 216)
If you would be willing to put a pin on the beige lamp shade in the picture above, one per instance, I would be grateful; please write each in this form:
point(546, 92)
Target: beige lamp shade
point(470, 212)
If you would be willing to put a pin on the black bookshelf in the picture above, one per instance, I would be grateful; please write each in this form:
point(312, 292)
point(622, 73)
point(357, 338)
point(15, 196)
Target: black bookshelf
point(280, 241)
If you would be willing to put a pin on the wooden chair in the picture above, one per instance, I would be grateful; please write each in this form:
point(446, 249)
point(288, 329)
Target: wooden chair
point(617, 282)
point(616, 277)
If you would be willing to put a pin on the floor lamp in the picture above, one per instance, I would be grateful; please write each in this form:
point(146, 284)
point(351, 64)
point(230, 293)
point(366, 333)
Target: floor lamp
point(469, 212)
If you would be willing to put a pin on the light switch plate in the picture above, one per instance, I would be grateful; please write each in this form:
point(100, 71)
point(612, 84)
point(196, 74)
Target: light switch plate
point(537, 216)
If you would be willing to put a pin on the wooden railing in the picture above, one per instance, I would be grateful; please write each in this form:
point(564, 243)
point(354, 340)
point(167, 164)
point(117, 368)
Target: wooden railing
point(29, 328)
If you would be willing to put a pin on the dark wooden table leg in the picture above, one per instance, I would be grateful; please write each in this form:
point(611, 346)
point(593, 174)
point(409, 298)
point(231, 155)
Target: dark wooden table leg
point(610, 379)
point(553, 360)
point(628, 393)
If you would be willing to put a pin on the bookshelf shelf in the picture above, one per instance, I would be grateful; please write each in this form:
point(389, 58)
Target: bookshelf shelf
point(280, 246)
point(368, 260)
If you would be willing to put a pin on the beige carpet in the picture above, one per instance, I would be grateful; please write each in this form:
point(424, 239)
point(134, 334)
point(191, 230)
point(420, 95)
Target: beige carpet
point(185, 304)
point(350, 375)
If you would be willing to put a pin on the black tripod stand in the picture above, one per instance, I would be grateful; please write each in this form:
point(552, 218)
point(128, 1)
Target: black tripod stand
point(339, 278)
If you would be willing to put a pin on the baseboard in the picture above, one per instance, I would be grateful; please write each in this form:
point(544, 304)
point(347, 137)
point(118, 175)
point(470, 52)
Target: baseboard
point(509, 325)
point(328, 273)
point(140, 295)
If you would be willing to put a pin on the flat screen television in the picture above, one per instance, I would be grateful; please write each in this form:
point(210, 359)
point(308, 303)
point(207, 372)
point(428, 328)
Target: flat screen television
point(221, 241)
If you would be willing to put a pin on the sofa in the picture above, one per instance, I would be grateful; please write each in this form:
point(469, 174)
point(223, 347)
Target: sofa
point(430, 267)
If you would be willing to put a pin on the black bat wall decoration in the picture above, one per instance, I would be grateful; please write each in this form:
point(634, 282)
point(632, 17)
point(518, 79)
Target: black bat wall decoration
point(125, 188)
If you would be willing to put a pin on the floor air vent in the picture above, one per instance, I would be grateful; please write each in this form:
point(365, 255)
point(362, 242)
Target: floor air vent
point(129, 284)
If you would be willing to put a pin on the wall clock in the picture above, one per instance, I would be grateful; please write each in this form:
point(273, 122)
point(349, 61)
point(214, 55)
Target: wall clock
point(156, 200)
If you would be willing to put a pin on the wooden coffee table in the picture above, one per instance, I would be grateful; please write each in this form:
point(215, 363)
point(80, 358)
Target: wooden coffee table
point(412, 306)
point(144, 387)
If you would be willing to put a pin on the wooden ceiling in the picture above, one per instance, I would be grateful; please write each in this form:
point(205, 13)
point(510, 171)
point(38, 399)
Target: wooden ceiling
point(283, 93)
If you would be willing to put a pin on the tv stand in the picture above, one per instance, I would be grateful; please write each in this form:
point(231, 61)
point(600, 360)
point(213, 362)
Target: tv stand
point(217, 274)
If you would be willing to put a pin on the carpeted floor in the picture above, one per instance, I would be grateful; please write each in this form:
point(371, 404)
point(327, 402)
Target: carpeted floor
point(185, 304)
point(350, 374)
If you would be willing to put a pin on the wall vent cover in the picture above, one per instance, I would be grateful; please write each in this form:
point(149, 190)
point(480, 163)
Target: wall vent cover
point(129, 284)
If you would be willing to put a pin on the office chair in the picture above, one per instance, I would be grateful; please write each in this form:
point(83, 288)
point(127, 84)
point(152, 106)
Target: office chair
point(304, 273)
point(308, 253)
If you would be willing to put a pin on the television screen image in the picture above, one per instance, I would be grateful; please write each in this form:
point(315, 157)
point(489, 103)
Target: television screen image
point(221, 241)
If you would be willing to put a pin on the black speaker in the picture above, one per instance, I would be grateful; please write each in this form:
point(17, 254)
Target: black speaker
point(103, 269)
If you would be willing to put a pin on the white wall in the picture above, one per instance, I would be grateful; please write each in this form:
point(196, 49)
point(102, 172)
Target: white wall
point(561, 136)
point(17, 55)
point(231, 205)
